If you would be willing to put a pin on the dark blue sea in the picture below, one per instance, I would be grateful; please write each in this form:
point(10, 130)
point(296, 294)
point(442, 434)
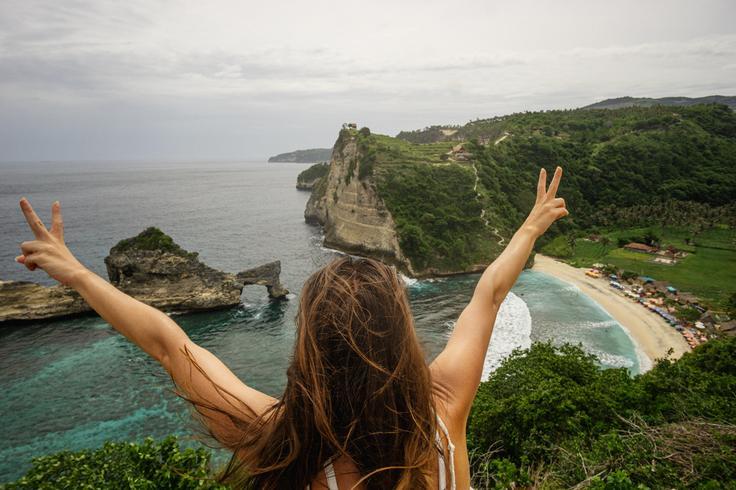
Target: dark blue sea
point(74, 384)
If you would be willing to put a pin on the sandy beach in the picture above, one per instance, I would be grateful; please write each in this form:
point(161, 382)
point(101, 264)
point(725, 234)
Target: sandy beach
point(653, 336)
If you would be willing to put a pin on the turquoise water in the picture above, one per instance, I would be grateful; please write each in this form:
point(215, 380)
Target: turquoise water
point(76, 383)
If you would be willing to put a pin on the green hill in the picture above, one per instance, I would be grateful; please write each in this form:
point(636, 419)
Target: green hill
point(614, 158)
point(455, 194)
point(621, 102)
point(311, 155)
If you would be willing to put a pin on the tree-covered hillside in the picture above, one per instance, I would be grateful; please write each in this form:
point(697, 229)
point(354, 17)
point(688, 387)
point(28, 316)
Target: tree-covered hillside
point(303, 156)
point(620, 102)
point(613, 159)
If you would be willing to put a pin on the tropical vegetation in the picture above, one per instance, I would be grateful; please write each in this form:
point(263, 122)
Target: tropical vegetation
point(456, 191)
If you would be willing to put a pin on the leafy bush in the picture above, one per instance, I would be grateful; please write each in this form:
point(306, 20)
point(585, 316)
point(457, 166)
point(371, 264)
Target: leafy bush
point(314, 172)
point(551, 416)
point(122, 465)
point(150, 239)
point(541, 397)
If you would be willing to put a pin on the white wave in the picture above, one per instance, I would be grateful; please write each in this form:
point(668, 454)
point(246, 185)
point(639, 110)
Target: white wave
point(409, 281)
point(332, 250)
point(513, 330)
point(612, 360)
point(601, 324)
point(645, 363)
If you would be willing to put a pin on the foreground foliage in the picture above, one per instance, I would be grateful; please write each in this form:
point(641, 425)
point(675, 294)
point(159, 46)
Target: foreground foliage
point(551, 418)
point(548, 418)
point(121, 465)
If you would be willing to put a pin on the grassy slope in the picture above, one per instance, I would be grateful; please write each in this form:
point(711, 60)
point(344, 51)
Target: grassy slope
point(709, 271)
point(436, 210)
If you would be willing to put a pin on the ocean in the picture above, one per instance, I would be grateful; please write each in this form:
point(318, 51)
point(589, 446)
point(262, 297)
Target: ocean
point(76, 383)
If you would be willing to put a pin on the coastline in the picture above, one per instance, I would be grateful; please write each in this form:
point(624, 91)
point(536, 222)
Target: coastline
point(652, 336)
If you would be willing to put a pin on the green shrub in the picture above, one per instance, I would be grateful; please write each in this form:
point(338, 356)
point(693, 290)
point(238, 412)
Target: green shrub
point(552, 417)
point(122, 465)
point(315, 171)
point(541, 397)
point(150, 239)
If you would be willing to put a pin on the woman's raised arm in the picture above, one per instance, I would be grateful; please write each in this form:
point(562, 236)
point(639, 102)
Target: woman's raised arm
point(457, 370)
point(201, 376)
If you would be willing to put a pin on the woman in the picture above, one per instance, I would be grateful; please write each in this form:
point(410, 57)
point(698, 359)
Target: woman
point(361, 408)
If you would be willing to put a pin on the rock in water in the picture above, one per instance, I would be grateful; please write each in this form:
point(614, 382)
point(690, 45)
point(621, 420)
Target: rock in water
point(21, 300)
point(151, 268)
point(265, 275)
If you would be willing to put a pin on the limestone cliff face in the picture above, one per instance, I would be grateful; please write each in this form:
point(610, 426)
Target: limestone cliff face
point(354, 217)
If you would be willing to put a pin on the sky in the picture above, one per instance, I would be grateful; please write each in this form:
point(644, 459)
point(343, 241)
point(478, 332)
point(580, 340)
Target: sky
point(193, 80)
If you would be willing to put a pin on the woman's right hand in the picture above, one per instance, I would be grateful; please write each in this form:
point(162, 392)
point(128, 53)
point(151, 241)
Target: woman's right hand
point(48, 251)
point(548, 208)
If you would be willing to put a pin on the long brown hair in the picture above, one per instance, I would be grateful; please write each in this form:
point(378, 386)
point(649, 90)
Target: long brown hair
point(358, 386)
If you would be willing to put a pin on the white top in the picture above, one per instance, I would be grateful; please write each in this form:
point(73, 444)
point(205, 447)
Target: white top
point(332, 479)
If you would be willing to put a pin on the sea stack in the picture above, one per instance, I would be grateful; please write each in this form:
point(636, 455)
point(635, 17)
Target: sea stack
point(152, 268)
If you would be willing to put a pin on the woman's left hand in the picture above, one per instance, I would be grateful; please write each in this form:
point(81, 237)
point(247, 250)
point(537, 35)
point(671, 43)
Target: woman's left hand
point(48, 251)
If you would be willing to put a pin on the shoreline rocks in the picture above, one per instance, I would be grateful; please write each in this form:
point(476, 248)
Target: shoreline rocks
point(151, 268)
point(26, 301)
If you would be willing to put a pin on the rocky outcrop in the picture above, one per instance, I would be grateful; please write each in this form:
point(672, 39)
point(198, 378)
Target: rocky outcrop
point(151, 268)
point(265, 275)
point(307, 185)
point(354, 217)
point(21, 300)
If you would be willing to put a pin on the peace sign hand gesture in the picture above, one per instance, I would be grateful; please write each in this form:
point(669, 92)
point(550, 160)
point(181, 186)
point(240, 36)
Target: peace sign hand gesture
point(48, 251)
point(548, 208)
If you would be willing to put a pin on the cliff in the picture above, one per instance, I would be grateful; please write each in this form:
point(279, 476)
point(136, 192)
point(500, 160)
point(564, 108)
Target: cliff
point(303, 156)
point(151, 268)
point(362, 205)
point(354, 217)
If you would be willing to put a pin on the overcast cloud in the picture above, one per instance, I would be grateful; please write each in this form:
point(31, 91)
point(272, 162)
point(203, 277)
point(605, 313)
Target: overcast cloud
point(145, 79)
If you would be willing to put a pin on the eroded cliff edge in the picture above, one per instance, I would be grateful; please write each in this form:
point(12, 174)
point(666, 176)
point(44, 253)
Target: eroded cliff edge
point(421, 207)
point(354, 218)
point(151, 268)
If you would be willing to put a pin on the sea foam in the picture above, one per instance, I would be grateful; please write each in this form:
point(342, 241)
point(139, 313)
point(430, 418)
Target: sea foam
point(512, 330)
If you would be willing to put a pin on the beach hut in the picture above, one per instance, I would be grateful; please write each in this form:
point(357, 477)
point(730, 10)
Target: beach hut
point(639, 247)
